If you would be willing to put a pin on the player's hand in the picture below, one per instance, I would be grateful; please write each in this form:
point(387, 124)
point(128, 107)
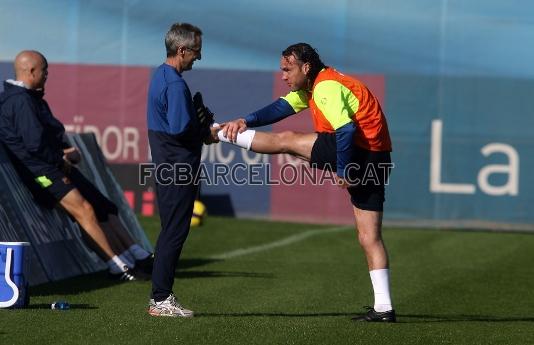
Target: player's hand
point(232, 128)
point(212, 138)
point(72, 155)
point(342, 183)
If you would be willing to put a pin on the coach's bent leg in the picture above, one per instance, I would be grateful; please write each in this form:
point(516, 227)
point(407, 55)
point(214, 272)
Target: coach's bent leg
point(75, 204)
point(296, 144)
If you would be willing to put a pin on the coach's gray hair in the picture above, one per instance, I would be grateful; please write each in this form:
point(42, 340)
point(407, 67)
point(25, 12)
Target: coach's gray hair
point(180, 35)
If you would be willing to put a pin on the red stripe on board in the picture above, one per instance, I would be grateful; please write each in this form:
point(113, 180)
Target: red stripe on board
point(107, 100)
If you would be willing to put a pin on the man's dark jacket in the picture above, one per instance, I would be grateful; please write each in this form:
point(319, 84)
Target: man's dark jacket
point(30, 131)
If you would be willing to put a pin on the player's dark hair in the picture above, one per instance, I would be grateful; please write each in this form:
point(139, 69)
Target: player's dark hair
point(305, 53)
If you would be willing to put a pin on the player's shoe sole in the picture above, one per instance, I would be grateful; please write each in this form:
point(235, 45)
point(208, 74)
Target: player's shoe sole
point(374, 316)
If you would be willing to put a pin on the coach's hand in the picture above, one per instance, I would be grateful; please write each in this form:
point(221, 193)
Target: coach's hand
point(232, 128)
point(212, 138)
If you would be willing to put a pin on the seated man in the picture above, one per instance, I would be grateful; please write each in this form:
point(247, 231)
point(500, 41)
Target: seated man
point(105, 210)
point(36, 139)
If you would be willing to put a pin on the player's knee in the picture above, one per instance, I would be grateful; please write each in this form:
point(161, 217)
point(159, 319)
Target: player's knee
point(87, 211)
point(368, 239)
point(285, 140)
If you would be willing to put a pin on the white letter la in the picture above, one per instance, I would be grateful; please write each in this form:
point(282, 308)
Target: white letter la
point(512, 169)
point(512, 186)
point(436, 186)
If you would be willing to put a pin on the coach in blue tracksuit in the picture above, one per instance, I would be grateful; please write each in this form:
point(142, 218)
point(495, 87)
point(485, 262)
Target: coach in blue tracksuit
point(175, 135)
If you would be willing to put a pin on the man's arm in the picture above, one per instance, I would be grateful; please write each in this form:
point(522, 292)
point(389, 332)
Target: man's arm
point(27, 126)
point(338, 105)
point(179, 108)
point(23, 135)
point(274, 112)
point(344, 143)
point(31, 131)
point(283, 107)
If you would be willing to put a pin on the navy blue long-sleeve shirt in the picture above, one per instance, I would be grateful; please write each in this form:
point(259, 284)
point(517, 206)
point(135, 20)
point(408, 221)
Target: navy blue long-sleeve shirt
point(30, 131)
point(171, 118)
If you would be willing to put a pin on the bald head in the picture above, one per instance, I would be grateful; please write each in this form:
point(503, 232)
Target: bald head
point(31, 68)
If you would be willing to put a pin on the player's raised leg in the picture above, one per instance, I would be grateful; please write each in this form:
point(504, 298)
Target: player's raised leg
point(293, 143)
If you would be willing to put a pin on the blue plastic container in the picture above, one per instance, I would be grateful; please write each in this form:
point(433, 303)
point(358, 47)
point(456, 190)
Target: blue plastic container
point(14, 273)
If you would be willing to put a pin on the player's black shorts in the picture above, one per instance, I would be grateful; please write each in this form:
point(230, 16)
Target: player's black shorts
point(56, 185)
point(368, 172)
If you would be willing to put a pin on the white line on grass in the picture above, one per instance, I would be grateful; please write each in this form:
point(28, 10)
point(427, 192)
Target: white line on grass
point(283, 242)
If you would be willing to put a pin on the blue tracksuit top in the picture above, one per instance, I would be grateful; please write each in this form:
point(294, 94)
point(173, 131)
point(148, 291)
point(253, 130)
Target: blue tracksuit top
point(171, 119)
point(30, 131)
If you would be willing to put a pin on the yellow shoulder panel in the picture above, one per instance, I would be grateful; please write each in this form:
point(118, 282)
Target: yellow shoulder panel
point(298, 100)
point(337, 103)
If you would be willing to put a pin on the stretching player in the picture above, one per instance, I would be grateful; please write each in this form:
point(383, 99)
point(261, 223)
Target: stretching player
point(350, 128)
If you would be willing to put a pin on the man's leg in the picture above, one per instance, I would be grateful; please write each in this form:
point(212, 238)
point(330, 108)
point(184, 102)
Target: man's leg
point(74, 203)
point(369, 228)
point(119, 239)
point(83, 212)
point(296, 144)
point(176, 193)
point(127, 242)
point(175, 209)
point(368, 223)
point(114, 240)
point(106, 213)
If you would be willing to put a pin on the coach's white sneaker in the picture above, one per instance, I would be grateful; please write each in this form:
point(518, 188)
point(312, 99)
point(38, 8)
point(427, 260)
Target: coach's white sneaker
point(168, 307)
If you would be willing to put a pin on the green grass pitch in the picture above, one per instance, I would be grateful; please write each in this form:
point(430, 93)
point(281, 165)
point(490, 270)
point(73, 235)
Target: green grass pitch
point(256, 282)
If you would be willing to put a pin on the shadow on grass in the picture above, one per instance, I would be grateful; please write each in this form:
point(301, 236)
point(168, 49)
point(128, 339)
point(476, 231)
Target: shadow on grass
point(403, 318)
point(216, 274)
point(85, 283)
point(184, 264)
point(194, 262)
point(421, 318)
point(272, 314)
point(101, 280)
point(72, 306)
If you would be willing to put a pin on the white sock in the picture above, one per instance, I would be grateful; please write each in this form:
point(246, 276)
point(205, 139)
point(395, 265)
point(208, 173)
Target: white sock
point(380, 280)
point(138, 252)
point(116, 265)
point(128, 259)
point(243, 140)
